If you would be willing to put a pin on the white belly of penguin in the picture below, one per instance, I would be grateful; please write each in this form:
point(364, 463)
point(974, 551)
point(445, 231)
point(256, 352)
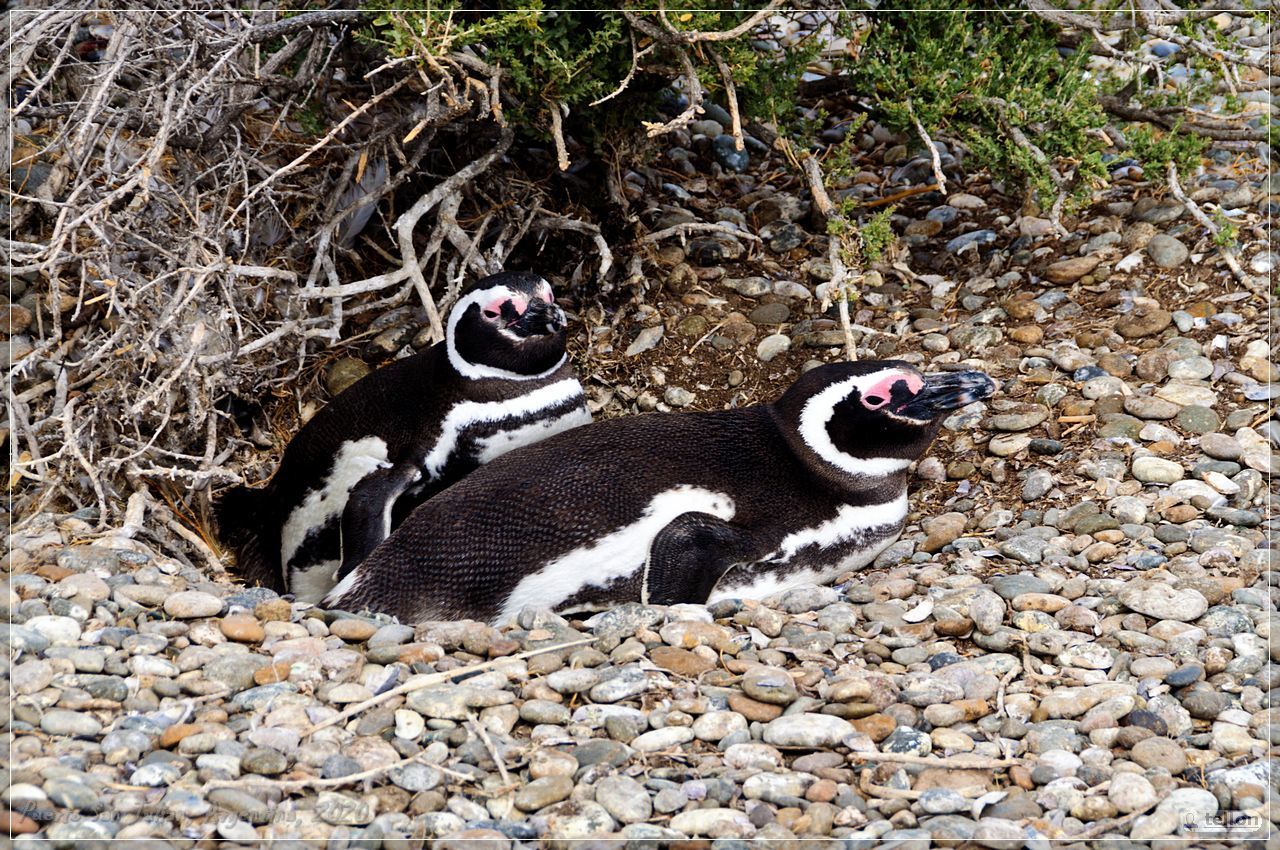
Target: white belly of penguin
point(623, 552)
point(355, 460)
point(773, 574)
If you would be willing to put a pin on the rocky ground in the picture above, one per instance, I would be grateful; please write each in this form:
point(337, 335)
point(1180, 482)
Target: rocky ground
point(1070, 641)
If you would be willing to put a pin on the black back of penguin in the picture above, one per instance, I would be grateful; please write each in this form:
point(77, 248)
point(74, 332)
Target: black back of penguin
point(569, 523)
point(406, 431)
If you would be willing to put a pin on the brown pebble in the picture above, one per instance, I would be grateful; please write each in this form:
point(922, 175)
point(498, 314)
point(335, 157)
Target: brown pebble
point(351, 630)
point(420, 653)
point(170, 737)
point(503, 647)
point(953, 626)
point(942, 777)
point(271, 673)
point(547, 662)
point(1027, 334)
point(53, 572)
point(242, 628)
point(274, 610)
point(16, 823)
point(752, 710)
point(682, 662)
point(1180, 513)
point(1021, 777)
point(14, 319)
point(1115, 364)
point(973, 708)
point(822, 791)
point(876, 726)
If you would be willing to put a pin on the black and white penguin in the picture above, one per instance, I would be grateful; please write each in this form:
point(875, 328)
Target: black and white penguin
point(500, 379)
point(668, 508)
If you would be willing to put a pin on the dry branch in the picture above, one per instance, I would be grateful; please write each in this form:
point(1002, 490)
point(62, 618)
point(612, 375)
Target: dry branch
point(430, 679)
point(838, 286)
point(172, 188)
point(1225, 250)
point(938, 176)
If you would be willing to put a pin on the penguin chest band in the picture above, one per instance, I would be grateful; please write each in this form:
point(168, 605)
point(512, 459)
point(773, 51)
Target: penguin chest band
point(817, 555)
point(618, 555)
point(472, 419)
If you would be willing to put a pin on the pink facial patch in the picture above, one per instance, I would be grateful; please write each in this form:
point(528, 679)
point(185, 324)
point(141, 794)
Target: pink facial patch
point(879, 394)
point(494, 307)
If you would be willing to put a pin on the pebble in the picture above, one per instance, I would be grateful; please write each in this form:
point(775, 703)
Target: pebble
point(809, 731)
point(192, 604)
point(1156, 470)
point(1163, 602)
point(1166, 251)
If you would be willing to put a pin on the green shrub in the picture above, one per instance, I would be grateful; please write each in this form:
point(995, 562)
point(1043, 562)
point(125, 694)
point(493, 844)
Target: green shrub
point(972, 74)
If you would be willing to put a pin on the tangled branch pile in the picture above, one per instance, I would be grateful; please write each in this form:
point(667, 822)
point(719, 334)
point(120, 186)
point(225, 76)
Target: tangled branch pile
point(207, 207)
point(202, 202)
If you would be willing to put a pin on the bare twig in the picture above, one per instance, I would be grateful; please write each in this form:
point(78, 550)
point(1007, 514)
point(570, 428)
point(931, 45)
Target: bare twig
point(685, 228)
point(405, 224)
point(938, 176)
point(1228, 255)
point(436, 679)
point(560, 222)
point(838, 287)
point(557, 134)
point(731, 95)
point(693, 36)
point(694, 93)
point(250, 782)
point(636, 56)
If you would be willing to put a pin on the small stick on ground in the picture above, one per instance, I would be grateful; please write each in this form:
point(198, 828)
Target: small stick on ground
point(885, 792)
point(933, 149)
point(838, 286)
point(952, 763)
point(478, 728)
point(311, 781)
point(731, 95)
point(437, 679)
point(694, 227)
point(1228, 255)
point(557, 133)
point(1109, 825)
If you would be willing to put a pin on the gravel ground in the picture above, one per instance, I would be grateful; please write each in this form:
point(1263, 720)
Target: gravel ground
point(1070, 641)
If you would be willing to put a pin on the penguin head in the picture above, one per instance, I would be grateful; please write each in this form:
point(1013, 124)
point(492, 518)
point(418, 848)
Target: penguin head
point(508, 326)
point(873, 418)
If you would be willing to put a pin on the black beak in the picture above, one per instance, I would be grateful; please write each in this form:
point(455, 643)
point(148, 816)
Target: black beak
point(947, 391)
point(541, 318)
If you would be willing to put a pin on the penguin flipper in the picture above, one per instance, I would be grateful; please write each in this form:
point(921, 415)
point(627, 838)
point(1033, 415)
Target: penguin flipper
point(688, 556)
point(367, 517)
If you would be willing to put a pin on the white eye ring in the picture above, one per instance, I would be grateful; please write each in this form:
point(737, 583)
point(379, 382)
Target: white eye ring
point(874, 402)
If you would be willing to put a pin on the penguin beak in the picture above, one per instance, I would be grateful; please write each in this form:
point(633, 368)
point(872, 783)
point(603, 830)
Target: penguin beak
point(541, 318)
point(947, 391)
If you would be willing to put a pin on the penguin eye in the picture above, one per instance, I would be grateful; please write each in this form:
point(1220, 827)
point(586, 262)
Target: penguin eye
point(492, 314)
point(874, 401)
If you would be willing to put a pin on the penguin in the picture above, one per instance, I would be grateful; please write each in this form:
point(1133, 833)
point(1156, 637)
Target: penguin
point(672, 507)
point(500, 379)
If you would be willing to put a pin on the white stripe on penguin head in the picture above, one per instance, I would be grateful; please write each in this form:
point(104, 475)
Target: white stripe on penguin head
point(475, 371)
point(817, 413)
